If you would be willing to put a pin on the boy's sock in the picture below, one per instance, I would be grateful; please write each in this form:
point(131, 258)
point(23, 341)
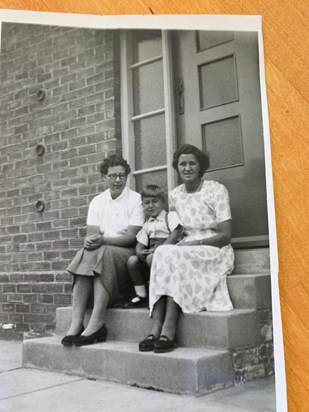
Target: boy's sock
point(141, 291)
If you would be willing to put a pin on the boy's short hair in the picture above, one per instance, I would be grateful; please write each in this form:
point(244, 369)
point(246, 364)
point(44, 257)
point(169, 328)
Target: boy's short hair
point(153, 191)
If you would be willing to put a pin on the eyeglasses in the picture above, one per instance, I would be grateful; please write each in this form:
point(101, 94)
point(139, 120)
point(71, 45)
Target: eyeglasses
point(121, 176)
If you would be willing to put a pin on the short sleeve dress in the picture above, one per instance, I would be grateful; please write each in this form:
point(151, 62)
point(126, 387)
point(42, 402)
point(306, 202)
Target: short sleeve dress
point(195, 276)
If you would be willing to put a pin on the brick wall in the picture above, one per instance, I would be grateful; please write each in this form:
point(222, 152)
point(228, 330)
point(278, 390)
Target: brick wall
point(256, 361)
point(78, 122)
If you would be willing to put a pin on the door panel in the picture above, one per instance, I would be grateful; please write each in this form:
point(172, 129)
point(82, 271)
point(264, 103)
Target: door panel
point(226, 150)
point(217, 82)
point(219, 111)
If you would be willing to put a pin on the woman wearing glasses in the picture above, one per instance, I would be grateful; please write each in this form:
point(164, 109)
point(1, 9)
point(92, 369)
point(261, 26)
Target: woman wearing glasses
point(100, 268)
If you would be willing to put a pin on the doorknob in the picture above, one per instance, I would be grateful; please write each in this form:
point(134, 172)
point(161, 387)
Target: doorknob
point(181, 97)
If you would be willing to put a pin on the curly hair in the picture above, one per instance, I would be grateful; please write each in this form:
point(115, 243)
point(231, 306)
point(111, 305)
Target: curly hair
point(201, 157)
point(114, 160)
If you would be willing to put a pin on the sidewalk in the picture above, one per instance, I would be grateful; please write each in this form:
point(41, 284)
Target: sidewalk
point(30, 390)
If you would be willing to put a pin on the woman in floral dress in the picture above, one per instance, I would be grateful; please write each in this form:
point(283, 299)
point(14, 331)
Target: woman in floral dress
point(191, 275)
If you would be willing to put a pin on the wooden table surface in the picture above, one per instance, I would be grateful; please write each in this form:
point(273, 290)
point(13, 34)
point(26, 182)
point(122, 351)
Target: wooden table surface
point(286, 45)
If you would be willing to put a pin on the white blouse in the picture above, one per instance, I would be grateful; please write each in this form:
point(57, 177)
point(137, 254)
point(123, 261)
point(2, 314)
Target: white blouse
point(114, 216)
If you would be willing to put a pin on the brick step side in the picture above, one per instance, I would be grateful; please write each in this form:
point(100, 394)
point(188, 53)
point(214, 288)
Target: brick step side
point(232, 329)
point(190, 371)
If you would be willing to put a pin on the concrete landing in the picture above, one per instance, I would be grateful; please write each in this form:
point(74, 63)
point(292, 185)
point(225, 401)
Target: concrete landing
point(30, 390)
point(193, 371)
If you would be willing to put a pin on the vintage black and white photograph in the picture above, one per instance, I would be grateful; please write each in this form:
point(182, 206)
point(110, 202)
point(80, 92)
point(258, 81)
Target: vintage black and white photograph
point(138, 260)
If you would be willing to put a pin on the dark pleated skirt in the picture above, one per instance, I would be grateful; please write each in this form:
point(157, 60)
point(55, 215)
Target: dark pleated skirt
point(110, 263)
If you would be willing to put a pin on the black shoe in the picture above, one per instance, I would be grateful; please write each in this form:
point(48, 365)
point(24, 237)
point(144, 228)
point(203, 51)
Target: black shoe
point(164, 344)
point(136, 303)
point(69, 339)
point(148, 343)
point(98, 336)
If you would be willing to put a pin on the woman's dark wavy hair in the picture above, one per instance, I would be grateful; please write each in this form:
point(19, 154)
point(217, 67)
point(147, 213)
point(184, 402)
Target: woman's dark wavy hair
point(201, 157)
point(114, 160)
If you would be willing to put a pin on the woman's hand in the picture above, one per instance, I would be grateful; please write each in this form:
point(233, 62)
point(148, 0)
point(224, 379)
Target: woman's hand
point(220, 239)
point(94, 242)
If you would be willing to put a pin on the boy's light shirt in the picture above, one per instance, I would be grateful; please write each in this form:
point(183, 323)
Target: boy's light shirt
point(155, 227)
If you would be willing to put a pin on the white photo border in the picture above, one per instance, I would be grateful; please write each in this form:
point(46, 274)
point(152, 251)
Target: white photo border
point(194, 22)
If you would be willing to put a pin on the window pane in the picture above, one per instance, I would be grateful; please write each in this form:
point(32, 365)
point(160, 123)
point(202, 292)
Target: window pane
point(148, 88)
point(155, 178)
point(150, 145)
point(223, 141)
point(146, 44)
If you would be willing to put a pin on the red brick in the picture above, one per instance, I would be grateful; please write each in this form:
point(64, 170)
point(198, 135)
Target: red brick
point(8, 307)
point(39, 288)
point(68, 254)
point(30, 298)
point(46, 298)
point(64, 277)
point(60, 244)
point(16, 277)
point(35, 266)
point(53, 235)
point(31, 318)
point(60, 265)
point(9, 288)
point(4, 278)
point(69, 233)
point(47, 277)
point(43, 226)
point(13, 229)
point(62, 299)
point(24, 288)
point(15, 318)
point(44, 245)
point(54, 288)
point(4, 317)
point(38, 308)
point(14, 297)
point(21, 308)
point(51, 256)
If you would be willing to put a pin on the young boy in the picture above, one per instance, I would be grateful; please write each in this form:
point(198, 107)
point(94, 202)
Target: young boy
point(160, 228)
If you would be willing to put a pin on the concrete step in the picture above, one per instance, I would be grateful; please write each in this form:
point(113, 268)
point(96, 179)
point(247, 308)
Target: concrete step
point(252, 261)
point(186, 371)
point(250, 291)
point(233, 329)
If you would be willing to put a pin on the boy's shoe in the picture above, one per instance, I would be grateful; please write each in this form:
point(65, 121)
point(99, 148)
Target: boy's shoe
point(136, 303)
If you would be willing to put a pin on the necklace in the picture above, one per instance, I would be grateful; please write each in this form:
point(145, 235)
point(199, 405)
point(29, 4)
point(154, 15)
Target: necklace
point(197, 189)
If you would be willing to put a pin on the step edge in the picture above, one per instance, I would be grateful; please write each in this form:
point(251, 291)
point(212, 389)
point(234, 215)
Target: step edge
point(204, 313)
point(120, 346)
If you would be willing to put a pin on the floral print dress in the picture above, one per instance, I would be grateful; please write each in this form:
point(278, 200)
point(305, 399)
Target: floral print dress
point(195, 276)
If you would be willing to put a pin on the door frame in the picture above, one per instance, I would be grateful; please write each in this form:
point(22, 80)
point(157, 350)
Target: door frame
point(169, 111)
point(127, 117)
